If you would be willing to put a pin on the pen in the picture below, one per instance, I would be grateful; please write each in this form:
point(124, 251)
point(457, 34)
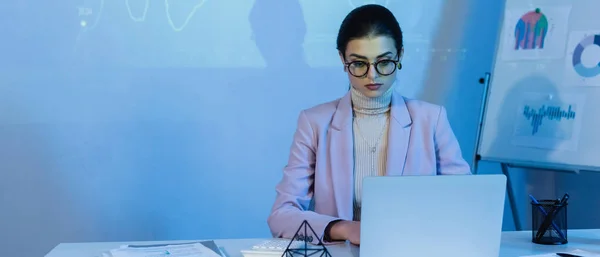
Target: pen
point(567, 255)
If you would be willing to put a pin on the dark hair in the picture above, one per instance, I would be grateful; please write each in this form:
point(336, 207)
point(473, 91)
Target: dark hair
point(369, 20)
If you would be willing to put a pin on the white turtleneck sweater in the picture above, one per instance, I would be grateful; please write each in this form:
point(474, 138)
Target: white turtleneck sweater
point(370, 126)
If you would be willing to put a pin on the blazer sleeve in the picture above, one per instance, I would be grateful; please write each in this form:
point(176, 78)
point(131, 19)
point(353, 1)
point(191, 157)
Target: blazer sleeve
point(294, 192)
point(447, 149)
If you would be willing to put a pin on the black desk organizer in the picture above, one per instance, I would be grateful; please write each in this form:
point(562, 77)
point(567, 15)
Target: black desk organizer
point(549, 222)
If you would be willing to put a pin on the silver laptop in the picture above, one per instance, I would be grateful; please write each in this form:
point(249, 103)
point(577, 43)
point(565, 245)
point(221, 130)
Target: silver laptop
point(449, 215)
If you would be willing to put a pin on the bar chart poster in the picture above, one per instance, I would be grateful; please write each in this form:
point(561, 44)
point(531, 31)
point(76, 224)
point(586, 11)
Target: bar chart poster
point(535, 33)
point(549, 121)
point(582, 63)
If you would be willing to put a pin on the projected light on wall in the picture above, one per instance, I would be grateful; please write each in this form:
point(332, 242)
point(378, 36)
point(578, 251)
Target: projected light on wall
point(170, 33)
point(141, 16)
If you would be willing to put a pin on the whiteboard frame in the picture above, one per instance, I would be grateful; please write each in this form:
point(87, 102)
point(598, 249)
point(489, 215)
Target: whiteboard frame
point(487, 85)
point(508, 163)
point(482, 121)
point(482, 111)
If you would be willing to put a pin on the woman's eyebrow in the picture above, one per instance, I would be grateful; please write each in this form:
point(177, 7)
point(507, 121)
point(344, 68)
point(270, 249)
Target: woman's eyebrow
point(364, 57)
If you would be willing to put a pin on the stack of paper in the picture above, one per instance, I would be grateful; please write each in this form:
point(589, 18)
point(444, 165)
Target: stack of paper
point(574, 252)
point(197, 249)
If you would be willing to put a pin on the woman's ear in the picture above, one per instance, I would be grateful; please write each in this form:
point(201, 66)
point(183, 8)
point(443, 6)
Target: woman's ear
point(343, 60)
point(401, 54)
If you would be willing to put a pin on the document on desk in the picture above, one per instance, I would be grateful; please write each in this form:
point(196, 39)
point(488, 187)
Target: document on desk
point(573, 252)
point(170, 250)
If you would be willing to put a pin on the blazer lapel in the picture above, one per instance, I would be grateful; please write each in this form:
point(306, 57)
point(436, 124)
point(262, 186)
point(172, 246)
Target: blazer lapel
point(341, 156)
point(398, 136)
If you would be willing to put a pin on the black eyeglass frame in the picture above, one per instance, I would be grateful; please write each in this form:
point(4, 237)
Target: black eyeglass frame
point(395, 62)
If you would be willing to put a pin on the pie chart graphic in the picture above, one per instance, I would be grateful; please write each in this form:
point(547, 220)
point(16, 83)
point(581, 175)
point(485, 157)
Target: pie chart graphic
point(580, 68)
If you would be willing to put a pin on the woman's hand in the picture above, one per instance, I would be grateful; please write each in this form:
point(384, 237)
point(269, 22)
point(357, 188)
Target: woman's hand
point(346, 230)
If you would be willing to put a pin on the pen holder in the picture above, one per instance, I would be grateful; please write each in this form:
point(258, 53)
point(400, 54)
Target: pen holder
point(549, 222)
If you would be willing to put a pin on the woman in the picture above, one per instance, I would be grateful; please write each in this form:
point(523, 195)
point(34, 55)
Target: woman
point(371, 131)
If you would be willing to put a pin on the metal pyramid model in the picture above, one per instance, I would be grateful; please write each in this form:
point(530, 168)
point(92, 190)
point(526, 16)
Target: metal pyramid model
point(299, 245)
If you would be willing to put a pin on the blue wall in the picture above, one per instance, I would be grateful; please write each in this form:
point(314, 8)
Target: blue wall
point(124, 130)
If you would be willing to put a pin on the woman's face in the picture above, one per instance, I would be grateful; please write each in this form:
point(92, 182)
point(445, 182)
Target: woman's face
point(364, 54)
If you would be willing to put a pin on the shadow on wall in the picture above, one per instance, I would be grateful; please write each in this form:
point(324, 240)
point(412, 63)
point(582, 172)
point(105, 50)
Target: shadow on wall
point(537, 182)
point(253, 129)
point(36, 207)
point(531, 89)
point(33, 203)
point(440, 75)
point(464, 43)
point(279, 43)
point(473, 56)
point(62, 181)
point(584, 207)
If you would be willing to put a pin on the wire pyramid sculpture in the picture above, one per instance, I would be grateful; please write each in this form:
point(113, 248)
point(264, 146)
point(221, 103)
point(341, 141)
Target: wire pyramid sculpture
point(305, 249)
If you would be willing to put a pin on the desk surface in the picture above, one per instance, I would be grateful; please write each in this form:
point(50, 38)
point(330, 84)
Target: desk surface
point(514, 243)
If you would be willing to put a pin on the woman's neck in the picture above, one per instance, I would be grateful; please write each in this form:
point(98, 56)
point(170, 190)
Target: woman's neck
point(371, 105)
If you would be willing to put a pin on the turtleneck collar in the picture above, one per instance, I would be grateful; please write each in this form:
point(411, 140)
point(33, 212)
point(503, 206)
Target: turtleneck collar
point(371, 105)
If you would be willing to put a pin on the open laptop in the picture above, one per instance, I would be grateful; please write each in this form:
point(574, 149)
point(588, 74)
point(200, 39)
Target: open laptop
point(448, 215)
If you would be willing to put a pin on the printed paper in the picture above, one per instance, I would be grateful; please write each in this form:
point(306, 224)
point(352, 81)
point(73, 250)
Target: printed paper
point(549, 121)
point(582, 61)
point(535, 33)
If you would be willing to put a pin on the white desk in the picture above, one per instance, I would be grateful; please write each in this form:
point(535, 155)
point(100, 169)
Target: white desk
point(514, 243)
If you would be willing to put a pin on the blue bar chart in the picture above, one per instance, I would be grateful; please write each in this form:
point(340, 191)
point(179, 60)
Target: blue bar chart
point(549, 121)
point(550, 113)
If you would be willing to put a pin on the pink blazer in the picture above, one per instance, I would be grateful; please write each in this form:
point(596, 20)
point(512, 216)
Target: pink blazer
point(317, 183)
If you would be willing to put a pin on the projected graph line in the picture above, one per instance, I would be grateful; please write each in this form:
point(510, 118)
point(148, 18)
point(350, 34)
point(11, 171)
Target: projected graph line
point(143, 16)
point(96, 21)
point(137, 19)
point(187, 20)
point(86, 11)
point(167, 12)
point(554, 113)
point(82, 11)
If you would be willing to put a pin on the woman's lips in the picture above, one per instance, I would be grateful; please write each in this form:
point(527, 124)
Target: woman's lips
point(373, 87)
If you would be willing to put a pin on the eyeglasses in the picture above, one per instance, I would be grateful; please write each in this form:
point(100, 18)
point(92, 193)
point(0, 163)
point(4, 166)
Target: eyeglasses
point(361, 68)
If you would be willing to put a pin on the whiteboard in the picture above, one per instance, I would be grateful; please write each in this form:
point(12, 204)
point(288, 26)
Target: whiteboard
point(542, 106)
